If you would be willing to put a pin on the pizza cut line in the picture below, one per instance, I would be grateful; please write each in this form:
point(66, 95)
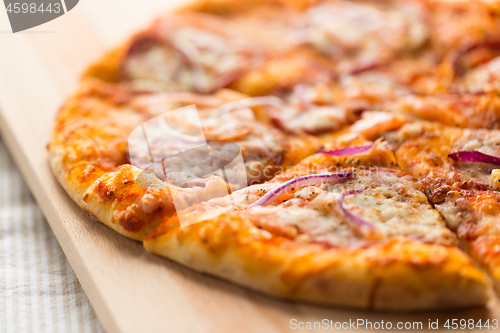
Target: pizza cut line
point(369, 136)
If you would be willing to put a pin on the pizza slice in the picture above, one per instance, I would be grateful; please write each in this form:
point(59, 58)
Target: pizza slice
point(473, 215)
point(458, 171)
point(344, 227)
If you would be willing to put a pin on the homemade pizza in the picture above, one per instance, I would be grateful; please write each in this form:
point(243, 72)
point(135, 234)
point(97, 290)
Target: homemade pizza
point(338, 152)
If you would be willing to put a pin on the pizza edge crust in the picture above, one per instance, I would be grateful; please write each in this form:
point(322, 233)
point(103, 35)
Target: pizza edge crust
point(96, 209)
point(401, 275)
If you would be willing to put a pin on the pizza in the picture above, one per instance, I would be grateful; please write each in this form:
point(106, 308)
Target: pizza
point(340, 152)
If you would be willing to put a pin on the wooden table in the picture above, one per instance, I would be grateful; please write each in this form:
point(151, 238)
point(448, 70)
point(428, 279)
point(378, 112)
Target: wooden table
point(130, 289)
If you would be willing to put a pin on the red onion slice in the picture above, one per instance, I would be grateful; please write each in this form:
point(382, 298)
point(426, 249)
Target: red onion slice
point(356, 219)
point(300, 182)
point(347, 151)
point(474, 156)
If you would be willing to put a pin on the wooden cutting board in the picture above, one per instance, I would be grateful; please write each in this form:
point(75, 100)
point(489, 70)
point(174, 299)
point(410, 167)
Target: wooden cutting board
point(130, 289)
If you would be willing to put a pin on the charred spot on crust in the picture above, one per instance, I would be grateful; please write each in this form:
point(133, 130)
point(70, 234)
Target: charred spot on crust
point(104, 191)
point(132, 223)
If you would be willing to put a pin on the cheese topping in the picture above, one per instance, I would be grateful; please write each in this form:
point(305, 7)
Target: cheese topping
point(437, 142)
point(363, 34)
point(179, 55)
point(388, 201)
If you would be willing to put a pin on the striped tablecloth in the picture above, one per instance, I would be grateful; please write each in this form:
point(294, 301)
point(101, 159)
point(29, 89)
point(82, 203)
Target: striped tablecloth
point(38, 290)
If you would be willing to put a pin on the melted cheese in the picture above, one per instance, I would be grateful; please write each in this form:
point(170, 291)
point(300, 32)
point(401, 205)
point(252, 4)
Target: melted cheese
point(371, 32)
point(391, 203)
point(436, 142)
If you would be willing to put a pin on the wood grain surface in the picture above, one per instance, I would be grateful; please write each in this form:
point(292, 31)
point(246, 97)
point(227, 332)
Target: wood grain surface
point(130, 289)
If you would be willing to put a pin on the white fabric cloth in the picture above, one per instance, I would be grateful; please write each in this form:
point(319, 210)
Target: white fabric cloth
point(38, 290)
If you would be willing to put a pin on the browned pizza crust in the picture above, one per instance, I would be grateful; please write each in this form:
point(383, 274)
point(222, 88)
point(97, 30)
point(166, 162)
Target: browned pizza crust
point(396, 276)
